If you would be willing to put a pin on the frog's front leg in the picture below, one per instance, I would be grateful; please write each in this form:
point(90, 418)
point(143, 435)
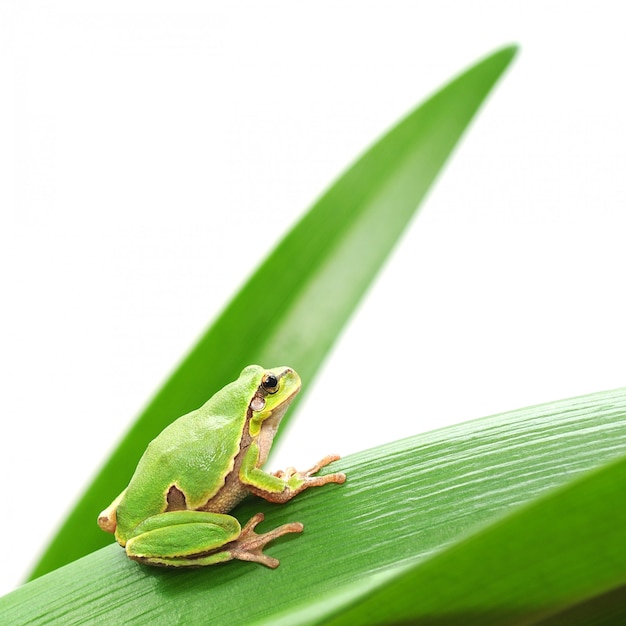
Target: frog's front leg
point(281, 486)
point(197, 538)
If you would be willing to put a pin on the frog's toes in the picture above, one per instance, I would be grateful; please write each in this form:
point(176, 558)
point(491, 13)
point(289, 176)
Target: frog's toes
point(309, 475)
point(249, 545)
point(286, 474)
point(317, 481)
point(327, 460)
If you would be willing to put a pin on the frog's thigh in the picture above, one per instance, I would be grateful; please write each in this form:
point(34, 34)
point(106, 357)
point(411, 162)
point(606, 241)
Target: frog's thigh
point(181, 534)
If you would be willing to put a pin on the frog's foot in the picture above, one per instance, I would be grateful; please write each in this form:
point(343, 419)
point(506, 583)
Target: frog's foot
point(327, 460)
point(295, 481)
point(249, 545)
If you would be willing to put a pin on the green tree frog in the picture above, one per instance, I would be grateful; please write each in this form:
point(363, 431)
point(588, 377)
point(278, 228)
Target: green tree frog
point(174, 510)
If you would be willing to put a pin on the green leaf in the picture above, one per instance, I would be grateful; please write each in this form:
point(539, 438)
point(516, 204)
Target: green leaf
point(486, 520)
point(318, 274)
point(544, 559)
point(605, 609)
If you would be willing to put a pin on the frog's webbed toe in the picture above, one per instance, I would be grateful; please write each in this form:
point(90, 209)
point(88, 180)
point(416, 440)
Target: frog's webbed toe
point(249, 545)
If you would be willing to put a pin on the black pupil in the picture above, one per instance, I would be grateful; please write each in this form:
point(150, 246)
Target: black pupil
point(270, 382)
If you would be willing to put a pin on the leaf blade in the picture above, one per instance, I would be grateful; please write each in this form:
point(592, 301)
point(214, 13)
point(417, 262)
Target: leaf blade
point(405, 504)
point(319, 271)
point(537, 562)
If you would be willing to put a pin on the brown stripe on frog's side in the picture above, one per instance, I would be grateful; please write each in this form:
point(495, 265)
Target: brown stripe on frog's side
point(232, 491)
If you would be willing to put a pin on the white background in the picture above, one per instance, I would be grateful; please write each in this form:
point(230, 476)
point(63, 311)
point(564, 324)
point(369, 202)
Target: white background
point(151, 154)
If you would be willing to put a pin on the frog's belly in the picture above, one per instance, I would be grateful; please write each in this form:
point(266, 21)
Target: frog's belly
point(229, 496)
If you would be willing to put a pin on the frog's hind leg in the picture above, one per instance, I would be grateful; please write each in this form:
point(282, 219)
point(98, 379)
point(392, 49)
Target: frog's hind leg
point(196, 538)
point(107, 520)
point(175, 539)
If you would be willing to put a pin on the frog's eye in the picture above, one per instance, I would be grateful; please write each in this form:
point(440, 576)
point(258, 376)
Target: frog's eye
point(270, 383)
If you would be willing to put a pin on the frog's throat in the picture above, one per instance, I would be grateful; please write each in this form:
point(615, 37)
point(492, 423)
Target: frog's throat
point(268, 429)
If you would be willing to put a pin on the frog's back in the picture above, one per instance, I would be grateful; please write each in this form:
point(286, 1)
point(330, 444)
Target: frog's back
point(195, 453)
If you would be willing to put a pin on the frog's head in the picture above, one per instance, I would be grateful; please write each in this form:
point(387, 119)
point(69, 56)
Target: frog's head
point(275, 389)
